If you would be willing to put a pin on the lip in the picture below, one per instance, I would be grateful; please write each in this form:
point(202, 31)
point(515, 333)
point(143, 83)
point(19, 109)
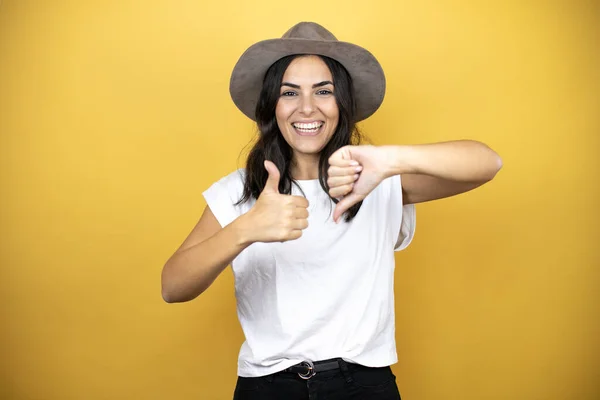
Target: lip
point(309, 121)
point(315, 133)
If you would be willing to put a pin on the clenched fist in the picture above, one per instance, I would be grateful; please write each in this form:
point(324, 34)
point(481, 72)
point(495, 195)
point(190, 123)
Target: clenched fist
point(354, 171)
point(277, 217)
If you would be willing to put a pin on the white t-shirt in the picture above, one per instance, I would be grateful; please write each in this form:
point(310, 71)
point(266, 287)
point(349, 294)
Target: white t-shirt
point(327, 294)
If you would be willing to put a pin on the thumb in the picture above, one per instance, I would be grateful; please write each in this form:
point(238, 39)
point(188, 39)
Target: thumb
point(342, 157)
point(343, 205)
point(272, 184)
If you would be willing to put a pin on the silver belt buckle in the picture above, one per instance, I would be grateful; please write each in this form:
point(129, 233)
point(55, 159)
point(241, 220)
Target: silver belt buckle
point(311, 370)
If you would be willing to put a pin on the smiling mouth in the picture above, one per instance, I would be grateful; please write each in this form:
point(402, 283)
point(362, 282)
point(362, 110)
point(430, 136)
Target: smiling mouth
point(309, 129)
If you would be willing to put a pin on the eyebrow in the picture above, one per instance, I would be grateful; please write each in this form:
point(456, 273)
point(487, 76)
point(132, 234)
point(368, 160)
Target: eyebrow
point(316, 85)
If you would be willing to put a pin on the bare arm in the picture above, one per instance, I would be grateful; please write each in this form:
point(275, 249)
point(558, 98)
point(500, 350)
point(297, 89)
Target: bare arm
point(209, 248)
point(438, 170)
point(206, 252)
point(429, 171)
point(419, 188)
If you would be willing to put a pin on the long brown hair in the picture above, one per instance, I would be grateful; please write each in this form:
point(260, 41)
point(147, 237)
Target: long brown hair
point(272, 146)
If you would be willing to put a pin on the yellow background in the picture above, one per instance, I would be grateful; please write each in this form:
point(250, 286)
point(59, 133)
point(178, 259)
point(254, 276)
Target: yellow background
point(115, 116)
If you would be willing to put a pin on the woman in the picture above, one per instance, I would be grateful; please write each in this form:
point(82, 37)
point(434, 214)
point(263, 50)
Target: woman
point(311, 224)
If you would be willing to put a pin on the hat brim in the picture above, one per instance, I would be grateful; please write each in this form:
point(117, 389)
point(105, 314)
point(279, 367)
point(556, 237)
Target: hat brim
point(366, 72)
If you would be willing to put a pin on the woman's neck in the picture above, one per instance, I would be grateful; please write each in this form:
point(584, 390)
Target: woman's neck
point(305, 167)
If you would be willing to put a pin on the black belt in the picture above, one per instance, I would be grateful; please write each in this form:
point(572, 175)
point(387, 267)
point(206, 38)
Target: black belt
point(308, 369)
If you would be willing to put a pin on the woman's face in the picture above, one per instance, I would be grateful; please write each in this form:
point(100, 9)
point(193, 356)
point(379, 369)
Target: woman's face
point(307, 113)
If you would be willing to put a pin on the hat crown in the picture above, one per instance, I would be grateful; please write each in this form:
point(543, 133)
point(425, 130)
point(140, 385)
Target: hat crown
point(310, 31)
point(247, 77)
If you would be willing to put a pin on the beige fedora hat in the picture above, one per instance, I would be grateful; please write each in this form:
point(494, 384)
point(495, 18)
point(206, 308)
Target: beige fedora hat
point(308, 38)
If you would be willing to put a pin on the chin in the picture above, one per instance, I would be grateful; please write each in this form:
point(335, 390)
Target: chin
point(308, 150)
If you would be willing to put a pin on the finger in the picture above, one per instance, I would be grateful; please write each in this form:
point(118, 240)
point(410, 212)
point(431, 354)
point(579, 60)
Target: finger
point(342, 158)
point(344, 205)
point(300, 224)
point(300, 212)
point(341, 190)
point(336, 181)
point(342, 171)
point(299, 201)
point(272, 184)
point(295, 234)
point(339, 162)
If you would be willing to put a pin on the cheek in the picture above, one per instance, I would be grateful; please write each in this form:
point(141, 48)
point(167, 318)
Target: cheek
point(282, 114)
point(278, 111)
point(334, 117)
point(279, 118)
point(333, 112)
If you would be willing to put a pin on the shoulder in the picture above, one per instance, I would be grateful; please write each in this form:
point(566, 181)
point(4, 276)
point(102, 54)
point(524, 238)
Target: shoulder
point(388, 187)
point(232, 183)
point(393, 187)
point(223, 196)
point(234, 178)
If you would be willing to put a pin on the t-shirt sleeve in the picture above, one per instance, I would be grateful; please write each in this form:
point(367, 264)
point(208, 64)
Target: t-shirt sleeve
point(407, 219)
point(222, 197)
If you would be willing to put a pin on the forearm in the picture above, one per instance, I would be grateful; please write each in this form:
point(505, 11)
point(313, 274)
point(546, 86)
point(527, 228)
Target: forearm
point(462, 161)
point(191, 271)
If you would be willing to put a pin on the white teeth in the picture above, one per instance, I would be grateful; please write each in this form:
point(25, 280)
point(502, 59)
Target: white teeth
point(310, 127)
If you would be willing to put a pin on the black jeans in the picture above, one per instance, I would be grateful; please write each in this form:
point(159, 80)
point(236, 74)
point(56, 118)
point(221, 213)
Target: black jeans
point(353, 382)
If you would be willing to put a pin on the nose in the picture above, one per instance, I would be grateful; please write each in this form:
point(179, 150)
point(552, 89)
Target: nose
point(307, 107)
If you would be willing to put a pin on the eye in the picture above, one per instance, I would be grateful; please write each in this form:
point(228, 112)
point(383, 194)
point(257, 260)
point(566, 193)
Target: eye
point(324, 92)
point(288, 93)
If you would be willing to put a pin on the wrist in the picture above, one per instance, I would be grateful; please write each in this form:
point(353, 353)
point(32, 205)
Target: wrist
point(242, 227)
point(398, 160)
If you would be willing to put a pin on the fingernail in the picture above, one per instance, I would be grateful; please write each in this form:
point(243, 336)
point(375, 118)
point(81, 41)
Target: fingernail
point(355, 176)
point(353, 162)
point(359, 168)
